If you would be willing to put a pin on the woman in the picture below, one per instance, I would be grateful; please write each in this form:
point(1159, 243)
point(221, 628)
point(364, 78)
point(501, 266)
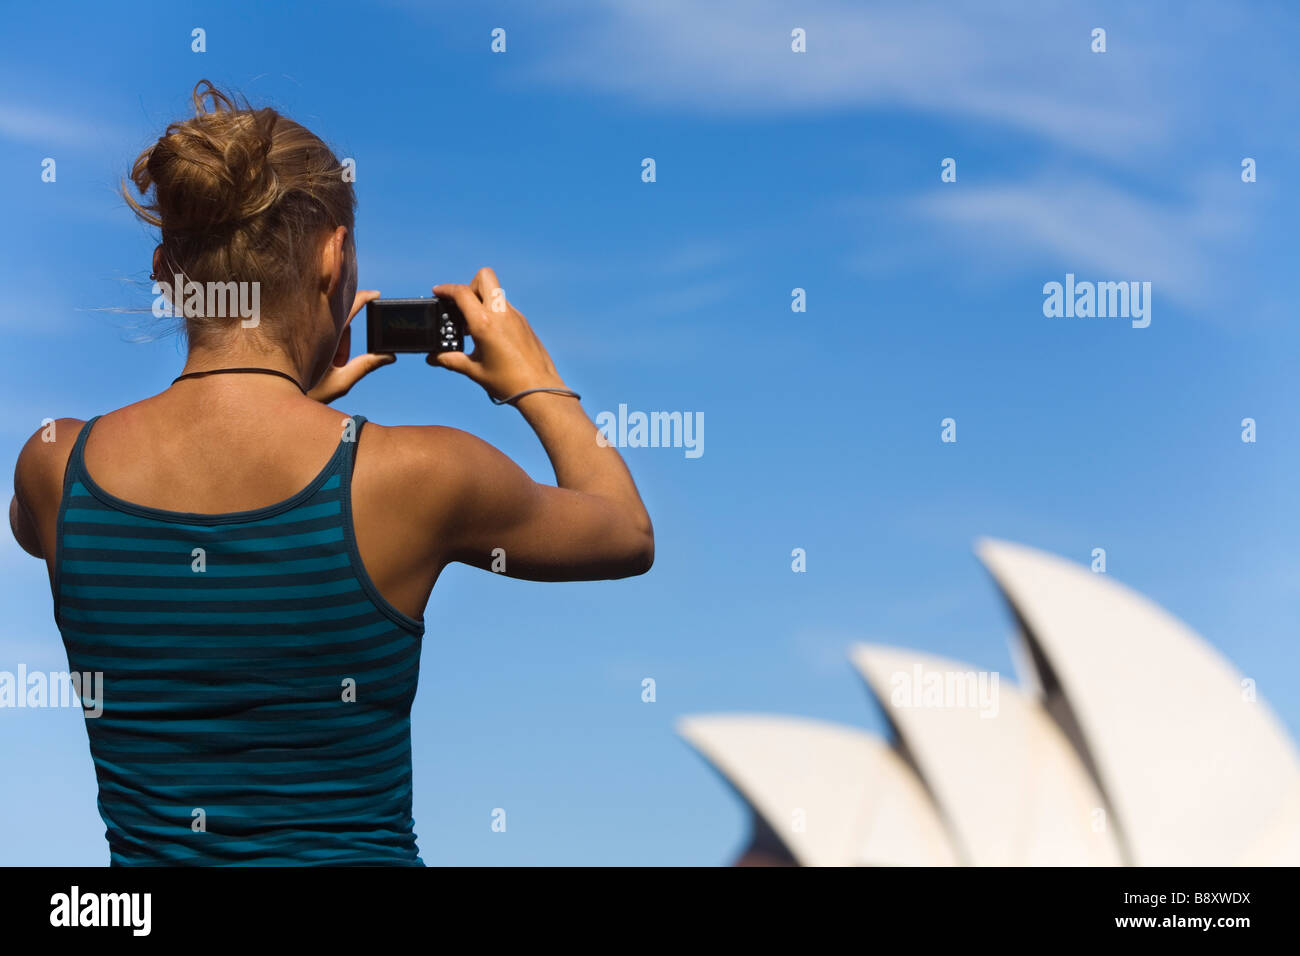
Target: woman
point(247, 567)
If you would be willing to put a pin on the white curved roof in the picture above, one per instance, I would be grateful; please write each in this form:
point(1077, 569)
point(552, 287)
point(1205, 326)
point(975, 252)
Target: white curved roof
point(1196, 774)
point(1010, 786)
point(834, 795)
point(1278, 845)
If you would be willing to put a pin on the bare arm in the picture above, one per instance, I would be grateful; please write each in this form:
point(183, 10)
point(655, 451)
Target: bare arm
point(592, 524)
point(38, 485)
point(24, 528)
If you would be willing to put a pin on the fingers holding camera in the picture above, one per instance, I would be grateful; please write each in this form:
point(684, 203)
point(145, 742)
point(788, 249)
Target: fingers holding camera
point(488, 288)
point(455, 362)
point(363, 296)
point(344, 373)
point(508, 357)
point(470, 305)
point(339, 379)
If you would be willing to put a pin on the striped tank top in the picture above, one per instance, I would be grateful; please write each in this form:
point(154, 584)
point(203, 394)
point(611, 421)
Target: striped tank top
point(257, 689)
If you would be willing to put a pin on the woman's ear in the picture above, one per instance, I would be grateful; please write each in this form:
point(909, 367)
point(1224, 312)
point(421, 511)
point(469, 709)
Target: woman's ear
point(336, 274)
point(158, 265)
point(334, 265)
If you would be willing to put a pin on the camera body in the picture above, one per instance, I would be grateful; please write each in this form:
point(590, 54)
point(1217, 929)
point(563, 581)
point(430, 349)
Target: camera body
point(414, 325)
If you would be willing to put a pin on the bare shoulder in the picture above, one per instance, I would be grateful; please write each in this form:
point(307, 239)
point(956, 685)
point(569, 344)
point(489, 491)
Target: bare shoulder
point(423, 461)
point(38, 476)
point(422, 447)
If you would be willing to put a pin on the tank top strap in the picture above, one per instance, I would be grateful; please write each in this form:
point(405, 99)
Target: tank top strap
point(351, 435)
point(76, 466)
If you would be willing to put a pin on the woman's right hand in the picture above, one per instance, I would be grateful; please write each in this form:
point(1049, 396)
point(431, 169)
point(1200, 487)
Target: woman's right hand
point(508, 357)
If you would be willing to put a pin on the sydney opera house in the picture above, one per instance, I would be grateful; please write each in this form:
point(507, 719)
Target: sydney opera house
point(1127, 740)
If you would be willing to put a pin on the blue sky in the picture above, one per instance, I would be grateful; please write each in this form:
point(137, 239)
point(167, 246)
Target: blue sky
point(775, 170)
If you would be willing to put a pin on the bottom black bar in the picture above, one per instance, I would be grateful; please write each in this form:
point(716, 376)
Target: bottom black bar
point(336, 905)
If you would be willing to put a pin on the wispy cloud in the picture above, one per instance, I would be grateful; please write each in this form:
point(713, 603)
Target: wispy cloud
point(1119, 196)
point(1089, 224)
point(1022, 65)
point(694, 255)
point(48, 128)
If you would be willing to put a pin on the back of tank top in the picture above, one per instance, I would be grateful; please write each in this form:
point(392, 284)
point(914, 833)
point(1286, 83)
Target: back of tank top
point(256, 689)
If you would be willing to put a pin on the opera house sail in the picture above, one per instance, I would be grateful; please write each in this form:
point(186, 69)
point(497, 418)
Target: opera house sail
point(1126, 740)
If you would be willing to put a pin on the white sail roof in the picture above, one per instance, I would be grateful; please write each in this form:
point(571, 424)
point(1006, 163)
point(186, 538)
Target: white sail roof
point(1008, 783)
point(835, 796)
point(1197, 772)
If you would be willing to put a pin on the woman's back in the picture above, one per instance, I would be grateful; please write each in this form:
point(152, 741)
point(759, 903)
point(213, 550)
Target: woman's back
point(247, 568)
point(257, 687)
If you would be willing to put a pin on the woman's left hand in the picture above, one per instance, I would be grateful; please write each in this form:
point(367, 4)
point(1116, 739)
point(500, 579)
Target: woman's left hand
point(339, 379)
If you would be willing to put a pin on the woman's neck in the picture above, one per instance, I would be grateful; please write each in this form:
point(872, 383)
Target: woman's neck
point(205, 359)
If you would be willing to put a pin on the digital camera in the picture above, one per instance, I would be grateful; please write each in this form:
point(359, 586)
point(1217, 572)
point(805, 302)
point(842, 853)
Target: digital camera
point(414, 325)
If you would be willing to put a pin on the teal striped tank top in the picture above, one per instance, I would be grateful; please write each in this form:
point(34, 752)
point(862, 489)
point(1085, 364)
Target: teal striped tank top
point(256, 687)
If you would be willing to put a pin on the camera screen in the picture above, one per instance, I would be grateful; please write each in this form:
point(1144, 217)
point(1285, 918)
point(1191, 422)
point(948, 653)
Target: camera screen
point(414, 325)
